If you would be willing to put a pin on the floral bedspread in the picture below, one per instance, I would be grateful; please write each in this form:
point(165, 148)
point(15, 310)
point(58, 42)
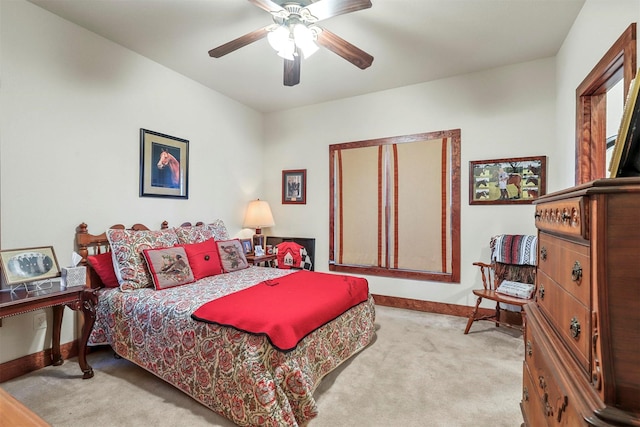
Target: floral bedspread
point(238, 375)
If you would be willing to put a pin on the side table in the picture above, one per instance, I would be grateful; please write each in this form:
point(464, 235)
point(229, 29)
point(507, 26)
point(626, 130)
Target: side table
point(77, 298)
point(266, 259)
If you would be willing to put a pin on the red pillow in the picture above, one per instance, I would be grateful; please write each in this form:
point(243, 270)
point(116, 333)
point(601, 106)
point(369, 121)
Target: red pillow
point(103, 266)
point(203, 258)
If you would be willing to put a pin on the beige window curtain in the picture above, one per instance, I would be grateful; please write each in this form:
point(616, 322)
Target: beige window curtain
point(393, 206)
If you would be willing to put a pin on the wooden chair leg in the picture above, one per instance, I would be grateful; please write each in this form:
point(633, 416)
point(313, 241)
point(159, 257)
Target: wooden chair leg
point(472, 316)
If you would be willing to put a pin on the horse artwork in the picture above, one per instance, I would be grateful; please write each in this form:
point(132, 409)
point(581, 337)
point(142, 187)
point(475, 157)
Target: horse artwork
point(169, 168)
point(164, 165)
point(522, 180)
point(515, 180)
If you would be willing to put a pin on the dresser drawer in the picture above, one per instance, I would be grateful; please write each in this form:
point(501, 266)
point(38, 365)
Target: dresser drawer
point(566, 263)
point(563, 216)
point(531, 405)
point(568, 316)
point(545, 372)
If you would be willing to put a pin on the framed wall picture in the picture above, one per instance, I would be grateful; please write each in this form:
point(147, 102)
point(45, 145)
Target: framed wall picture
point(164, 165)
point(518, 180)
point(294, 186)
point(28, 264)
point(247, 246)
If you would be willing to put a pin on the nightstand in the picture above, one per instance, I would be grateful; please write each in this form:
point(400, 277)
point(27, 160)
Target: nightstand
point(77, 298)
point(268, 260)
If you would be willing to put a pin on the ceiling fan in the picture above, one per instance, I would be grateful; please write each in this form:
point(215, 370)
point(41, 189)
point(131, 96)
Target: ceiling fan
point(294, 33)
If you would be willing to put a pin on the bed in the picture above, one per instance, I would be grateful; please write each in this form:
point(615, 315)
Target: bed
point(245, 377)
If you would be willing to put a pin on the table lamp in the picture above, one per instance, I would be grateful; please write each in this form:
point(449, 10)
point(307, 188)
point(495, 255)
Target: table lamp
point(258, 215)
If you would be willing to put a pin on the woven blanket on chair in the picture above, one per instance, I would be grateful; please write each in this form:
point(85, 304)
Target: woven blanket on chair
point(514, 249)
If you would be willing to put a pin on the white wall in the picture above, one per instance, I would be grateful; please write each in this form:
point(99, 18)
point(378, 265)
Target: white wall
point(521, 110)
point(505, 112)
point(72, 104)
point(598, 26)
point(71, 109)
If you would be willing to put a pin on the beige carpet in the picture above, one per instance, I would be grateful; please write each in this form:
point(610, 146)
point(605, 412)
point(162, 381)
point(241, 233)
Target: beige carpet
point(420, 371)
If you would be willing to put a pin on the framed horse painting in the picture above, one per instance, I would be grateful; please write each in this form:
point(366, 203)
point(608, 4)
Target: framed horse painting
point(164, 165)
point(518, 180)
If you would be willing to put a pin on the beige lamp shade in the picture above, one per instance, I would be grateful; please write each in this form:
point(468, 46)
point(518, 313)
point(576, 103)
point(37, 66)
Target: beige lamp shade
point(258, 215)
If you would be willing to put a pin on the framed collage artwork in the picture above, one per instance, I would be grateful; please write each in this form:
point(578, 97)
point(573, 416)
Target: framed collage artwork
point(518, 180)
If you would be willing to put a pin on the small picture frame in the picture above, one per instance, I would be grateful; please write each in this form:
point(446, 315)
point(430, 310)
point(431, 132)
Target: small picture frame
point(517, 180)
point(164, 165)
point(258, 251)
point(247, 246)
point(294, 187)
point(28, 264)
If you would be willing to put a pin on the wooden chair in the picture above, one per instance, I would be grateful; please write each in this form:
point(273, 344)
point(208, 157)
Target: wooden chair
point(494, 274)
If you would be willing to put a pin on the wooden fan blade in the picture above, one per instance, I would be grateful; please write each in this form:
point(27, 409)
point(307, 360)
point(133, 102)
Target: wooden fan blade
point(325, 9)
point(239, 42)
point(267, 5)
point(292, 71)
point(343, 48)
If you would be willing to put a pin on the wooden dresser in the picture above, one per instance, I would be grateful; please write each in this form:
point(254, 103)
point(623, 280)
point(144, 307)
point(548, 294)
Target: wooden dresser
point(582, 337)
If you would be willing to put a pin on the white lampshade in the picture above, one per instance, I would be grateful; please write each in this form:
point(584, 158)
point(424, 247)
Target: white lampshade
point(303, 37)
point(277, 37)
point(258, 215)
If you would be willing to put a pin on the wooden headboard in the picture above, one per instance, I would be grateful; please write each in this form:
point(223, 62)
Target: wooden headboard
point(93, 244)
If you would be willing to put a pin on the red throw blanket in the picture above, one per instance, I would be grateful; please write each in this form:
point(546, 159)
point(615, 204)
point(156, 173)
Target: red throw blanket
point(288, 308)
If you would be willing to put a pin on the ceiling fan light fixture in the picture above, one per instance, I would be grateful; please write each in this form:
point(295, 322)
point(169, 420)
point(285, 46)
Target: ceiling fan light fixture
point(288, 52)
point(304, 38)
point(279, 37)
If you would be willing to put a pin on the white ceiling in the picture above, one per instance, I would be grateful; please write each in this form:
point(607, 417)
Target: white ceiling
point(412, 41)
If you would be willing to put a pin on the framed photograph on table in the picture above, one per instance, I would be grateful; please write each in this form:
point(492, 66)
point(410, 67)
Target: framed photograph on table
point(247, 246)
point(294, 187)
point(164, 165)
point(517, 180)
point(28, 265)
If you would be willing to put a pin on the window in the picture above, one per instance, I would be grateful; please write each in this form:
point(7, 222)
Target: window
point(395, 206)
point(619, 63)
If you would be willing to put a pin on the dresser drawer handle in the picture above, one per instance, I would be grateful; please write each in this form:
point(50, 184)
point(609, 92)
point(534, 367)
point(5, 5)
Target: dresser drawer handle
point(576, 272)
point(543, 253)
point(529, 348)
point(542, 382)
point(541, 292)
point(575, 328)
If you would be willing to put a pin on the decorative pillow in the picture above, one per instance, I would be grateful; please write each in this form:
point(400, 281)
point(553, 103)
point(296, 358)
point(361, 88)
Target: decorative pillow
point(232, 255)
point(193, 234)
point(127, 247)
point(516, 289)
point(219, 230)
point(200, 233)
point(169, 267)
point(203, 258)
point(102, 264)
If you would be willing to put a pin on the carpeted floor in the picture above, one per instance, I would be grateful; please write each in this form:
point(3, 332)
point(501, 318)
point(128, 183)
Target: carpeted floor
point(420, 371)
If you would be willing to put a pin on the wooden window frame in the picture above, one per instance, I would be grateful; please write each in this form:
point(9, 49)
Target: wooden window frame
point(454, 168)
point(591, 107)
